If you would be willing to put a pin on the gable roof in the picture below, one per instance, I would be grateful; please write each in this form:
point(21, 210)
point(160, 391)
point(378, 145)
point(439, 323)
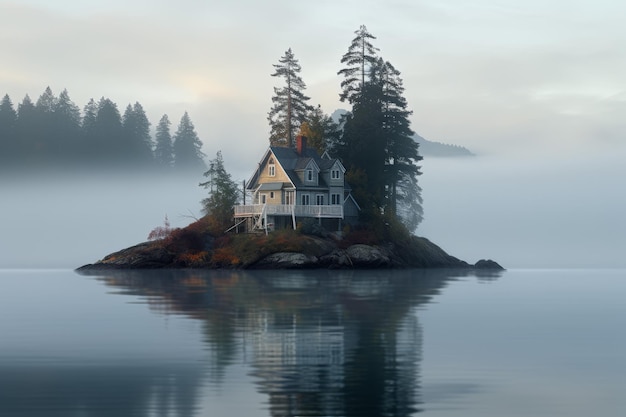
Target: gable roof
point(291, 161)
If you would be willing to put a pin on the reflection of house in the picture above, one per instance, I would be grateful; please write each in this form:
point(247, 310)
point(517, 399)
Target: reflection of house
point(290, 185)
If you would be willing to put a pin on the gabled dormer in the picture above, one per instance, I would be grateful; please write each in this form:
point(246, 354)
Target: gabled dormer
point(308, 171)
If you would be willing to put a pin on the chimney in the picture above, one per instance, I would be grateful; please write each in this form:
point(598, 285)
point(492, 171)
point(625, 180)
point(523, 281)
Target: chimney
point(300, 144)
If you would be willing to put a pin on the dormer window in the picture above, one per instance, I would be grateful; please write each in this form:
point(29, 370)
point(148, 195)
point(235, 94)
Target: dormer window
point(271, 168)
point(335, 174)
point(309, 175)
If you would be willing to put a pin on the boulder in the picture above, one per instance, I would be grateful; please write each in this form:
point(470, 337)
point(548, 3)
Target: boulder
point(287, 260)
point(366, 256)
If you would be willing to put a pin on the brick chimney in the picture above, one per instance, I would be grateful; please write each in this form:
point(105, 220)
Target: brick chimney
point(300, 144)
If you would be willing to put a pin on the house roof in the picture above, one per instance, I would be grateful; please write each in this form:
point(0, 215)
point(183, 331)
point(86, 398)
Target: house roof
point(271, 186)
point(291, 161)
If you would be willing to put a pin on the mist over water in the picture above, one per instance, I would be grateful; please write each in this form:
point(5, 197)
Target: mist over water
point(68, 220)
point(524, 211)
point(529, 211)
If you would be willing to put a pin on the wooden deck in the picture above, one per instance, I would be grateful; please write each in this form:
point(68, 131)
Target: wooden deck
point(326, 211)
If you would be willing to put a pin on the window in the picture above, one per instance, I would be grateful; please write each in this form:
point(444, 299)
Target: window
point(319, 199)
point(335, 199)
point(272, 195)
point(263, 198)
point(305, 200)
point(289, 197)
point(271, 168)
point(309, 175)
point(334, 174)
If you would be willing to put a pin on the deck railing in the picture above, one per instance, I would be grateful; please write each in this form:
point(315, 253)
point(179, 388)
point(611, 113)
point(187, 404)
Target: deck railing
point(334, 211)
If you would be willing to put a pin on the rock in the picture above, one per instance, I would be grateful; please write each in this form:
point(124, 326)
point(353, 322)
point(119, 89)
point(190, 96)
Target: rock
point(488, 264)
point(287, 260)
point(147, 255)
point(367, 256)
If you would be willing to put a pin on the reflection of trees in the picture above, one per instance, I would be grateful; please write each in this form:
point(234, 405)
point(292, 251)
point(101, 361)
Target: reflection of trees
point(318, 342)
point(147, 389)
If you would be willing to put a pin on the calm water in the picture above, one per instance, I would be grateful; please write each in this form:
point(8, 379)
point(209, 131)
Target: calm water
point(313, 343)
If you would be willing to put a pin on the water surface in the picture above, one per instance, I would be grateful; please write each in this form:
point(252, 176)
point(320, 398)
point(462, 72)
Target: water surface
point(312, 343)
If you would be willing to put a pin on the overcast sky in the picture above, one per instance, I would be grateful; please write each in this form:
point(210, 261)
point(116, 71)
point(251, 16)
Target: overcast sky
point(492, 75)
point(537, 87)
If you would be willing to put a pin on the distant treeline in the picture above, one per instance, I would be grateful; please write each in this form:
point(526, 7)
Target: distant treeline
point(437, 149)
point(54, 132)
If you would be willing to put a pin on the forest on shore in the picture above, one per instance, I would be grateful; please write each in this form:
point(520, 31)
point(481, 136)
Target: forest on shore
point(52, 132)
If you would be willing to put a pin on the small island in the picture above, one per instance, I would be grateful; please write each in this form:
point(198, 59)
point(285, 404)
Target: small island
point(338, 194)
point(195, 247)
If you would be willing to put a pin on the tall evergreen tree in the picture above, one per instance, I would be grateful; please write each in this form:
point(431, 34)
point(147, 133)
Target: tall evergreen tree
point(89, 144)
point(46, 142)
point(66, 126)
point(8, 130)
point(136, 129)
point(376, 144)
point(290, 104)
point(26, 128)
point(401, 150)
point(223, 194)
point(187, 146)
point(164, 151)
point(109, 143)
point(362, 149)
point(360, 57)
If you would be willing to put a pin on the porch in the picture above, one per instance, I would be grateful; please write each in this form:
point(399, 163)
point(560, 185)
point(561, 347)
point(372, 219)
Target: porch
point(321, 211)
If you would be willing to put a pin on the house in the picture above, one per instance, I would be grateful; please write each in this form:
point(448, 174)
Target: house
point(293, 184)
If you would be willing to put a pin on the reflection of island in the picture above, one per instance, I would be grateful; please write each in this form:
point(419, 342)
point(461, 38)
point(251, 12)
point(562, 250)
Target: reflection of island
point(317, 343)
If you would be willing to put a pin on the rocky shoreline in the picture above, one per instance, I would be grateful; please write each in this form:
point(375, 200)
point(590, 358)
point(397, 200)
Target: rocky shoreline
point(325, 253)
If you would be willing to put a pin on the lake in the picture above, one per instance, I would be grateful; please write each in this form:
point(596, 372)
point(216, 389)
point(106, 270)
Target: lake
point(313, 343)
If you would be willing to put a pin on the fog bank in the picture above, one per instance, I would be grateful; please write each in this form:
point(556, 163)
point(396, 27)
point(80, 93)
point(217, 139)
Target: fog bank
point(530, 211)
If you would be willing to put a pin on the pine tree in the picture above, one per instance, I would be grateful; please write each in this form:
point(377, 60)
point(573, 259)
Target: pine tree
point(46, 141)
point(164, 151)
point(360, 57)
point(377, 145)
point(26, 128)
point(66, 126)
point(136, 128)
point(88, 145)
point(8, 130)
point(223, 194)
point(109, 142)
point(187, 146)
point(290, 104)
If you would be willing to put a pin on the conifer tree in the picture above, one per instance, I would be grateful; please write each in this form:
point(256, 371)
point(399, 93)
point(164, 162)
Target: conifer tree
point(187, 146)
point(360, 57)
point(223, 194)
point(136, 129)
point(377, 145)
point(66, 126)
point(164, 151)
point(26, 127)
point(88, 129)
point(45, 142)
point(109, 141)
point(8, 132)
point(290, 104)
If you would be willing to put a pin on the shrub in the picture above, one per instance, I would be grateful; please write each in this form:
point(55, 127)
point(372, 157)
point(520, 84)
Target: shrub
point(193, 259)
point(161, 232)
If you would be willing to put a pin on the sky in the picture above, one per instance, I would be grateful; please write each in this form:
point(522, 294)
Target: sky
point(536, 88)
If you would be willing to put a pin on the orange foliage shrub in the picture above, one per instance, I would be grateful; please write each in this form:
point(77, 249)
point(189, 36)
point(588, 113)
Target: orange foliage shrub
point(225, 257)
point(193, 259)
